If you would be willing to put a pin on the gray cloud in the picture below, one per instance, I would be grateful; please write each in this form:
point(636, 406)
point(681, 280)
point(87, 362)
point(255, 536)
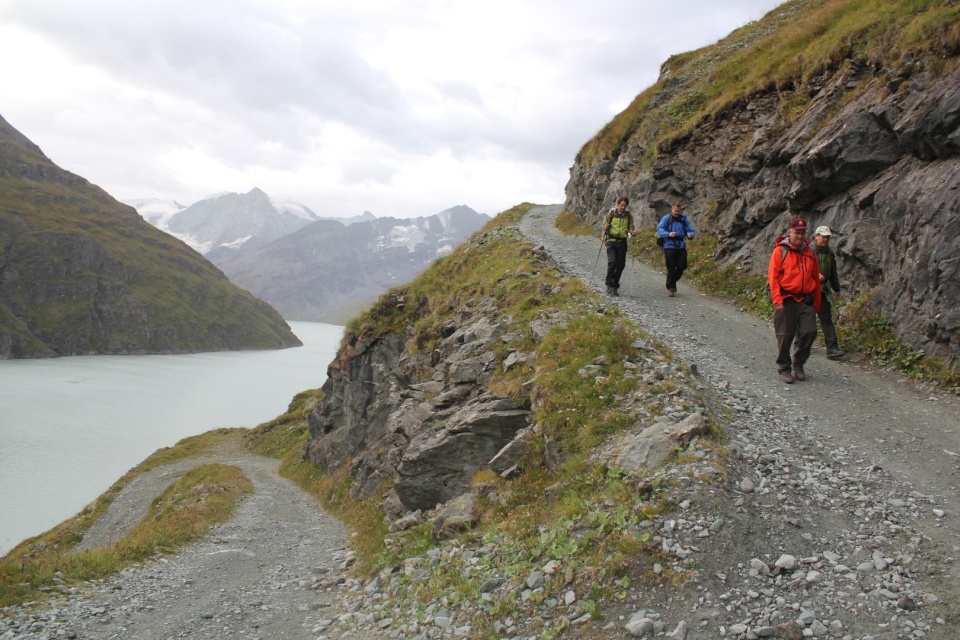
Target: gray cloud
point(261, 88)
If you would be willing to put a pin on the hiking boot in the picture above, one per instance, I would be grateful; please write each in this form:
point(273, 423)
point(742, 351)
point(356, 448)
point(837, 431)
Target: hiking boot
point(670, 293)
point(615, 292)
point(786, 376)
point(609, 289)
point(798, 373)
point(836, 354)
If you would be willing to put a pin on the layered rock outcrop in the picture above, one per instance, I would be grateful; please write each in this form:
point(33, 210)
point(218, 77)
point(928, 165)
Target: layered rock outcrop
point(424, 436)
point(874, 153)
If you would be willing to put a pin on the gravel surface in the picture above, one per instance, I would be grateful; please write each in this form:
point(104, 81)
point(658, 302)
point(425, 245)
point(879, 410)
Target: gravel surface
point(853, 468)
point(838, 517)
point(268, 573)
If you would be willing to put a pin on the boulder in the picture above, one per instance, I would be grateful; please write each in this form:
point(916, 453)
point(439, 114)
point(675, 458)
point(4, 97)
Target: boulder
point(439, 463)
point(635, 452)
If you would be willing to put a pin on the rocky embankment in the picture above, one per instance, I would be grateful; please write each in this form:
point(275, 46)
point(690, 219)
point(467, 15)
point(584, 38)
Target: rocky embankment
point(870, 150)
point(830, 511)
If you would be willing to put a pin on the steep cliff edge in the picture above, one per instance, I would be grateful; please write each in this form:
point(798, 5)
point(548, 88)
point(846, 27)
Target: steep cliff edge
point(848, 116)
point(411, 405)
point(81, 273)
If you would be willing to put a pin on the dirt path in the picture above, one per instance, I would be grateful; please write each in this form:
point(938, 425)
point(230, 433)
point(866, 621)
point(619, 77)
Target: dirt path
point(911, 431)
point(271, 572)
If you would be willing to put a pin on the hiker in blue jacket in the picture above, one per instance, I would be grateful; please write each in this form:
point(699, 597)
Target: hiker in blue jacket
point(675, 229)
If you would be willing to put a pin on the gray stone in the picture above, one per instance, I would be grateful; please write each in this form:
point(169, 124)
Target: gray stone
point(511, 453)
point(455, 517)
point(653, 445)
point(642, 628)
point(438, 464)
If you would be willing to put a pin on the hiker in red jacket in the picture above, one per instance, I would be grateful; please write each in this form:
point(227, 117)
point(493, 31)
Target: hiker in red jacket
point(794, 280)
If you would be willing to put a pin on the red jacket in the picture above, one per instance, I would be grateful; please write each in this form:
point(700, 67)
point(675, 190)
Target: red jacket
point(793, 273)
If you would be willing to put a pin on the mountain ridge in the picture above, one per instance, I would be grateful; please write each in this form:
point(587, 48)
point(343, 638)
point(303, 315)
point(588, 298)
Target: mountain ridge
point(81, 273)
point(327, 272)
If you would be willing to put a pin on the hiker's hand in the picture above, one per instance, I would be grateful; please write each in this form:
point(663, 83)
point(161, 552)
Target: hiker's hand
point(673, 233)
point(689, 236)
point(778, 307)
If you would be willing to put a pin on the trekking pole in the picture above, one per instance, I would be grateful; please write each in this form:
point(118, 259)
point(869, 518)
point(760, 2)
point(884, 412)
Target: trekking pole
point(603, 238)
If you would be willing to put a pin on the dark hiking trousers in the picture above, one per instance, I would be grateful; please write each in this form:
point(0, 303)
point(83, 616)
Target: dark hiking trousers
point(826, 323)
point(616, 261)
point(795, 324)
point(676, 261)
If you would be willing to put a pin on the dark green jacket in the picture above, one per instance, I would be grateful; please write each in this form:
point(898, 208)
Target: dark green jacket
point(827, 263)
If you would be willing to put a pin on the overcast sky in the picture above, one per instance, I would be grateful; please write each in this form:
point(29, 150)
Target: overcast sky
point(400, 107)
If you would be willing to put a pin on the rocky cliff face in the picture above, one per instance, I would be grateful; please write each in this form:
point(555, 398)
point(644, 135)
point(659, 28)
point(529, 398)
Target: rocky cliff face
point(426, 438)
point(81, 273)
point(874, 153)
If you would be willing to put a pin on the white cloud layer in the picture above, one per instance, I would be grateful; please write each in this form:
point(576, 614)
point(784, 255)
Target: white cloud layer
point(399, 107)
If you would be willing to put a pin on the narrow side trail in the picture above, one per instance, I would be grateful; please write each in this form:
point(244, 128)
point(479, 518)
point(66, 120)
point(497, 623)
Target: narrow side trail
point(272, 571)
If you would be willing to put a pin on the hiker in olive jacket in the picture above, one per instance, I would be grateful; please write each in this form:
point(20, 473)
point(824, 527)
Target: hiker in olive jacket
point(830, 284)
point(617, 228)
point(794, 280)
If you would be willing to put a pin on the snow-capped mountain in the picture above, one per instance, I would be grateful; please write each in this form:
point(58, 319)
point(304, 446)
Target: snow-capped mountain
point(156, 211)
point(230, 220)
point(328, 271)
point(307, 267)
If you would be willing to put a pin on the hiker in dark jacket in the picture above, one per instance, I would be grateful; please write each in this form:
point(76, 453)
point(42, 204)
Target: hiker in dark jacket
point(830, 285)
point(675, 229)
point(617, 228)
point(794, 280)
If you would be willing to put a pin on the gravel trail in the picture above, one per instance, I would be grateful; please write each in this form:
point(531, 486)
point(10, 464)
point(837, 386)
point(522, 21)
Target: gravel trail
point(839, 516)
point(271, 572)
point(854, 458)
point(912, 431)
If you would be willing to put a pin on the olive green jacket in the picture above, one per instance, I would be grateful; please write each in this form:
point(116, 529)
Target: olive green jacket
point(620, 225)
point(828, 268)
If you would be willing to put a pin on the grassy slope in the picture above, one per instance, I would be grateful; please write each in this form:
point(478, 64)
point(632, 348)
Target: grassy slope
point(579, 411)
point(791, 44)
point(188, 301)
point(206, 495)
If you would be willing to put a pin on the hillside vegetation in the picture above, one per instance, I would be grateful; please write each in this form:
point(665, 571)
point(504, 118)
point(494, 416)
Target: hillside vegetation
point(576, 510)
point(790, 46)
point(81, 273)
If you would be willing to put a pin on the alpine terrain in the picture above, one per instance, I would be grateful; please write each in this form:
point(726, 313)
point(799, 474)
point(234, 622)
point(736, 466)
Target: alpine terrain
point(81, 273)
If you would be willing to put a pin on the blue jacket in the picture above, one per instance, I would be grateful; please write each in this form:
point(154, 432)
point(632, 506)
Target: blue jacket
point(679, 225)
